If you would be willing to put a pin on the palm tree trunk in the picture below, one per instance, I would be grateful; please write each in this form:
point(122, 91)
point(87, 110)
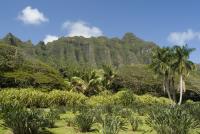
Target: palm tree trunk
point(184, 90)
point(167, 89)
point(164, 89)
point(164, 85)
point(173, 90)
point(181, 90)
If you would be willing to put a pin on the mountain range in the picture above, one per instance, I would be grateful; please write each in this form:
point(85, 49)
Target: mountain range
point(94, 51)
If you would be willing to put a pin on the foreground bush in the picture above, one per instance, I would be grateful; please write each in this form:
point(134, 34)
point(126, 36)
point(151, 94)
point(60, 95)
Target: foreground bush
point(112, 124)
point(51, 116)
point(70, 119)
point(193, 108)
point(135, 122)
point(84, 120)
point(172, 121)
point(22, 120)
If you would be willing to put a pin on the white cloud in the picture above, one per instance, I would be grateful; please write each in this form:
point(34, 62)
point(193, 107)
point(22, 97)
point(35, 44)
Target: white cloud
point(50, 38)
point(181, 38)
point(32, 16)
point(81, 28)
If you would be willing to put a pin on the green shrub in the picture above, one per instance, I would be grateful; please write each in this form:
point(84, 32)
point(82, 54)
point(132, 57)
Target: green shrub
point(107, 99)
point(28, 97)
point(151, 100)
point(70, 121)
point(22, 120)
point(193, 108)
point(171, 121)
point(135, 122)
point(126, 98)
point(35, 98)
point(84, 120)
point(112, 124)
point(71, 99)
point(146, 103)
point(51, 116)
point(124, 112)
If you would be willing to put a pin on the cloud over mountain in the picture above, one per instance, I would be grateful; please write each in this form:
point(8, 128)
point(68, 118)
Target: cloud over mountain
point(50, 38)
point(32, 16)
point(81, 28)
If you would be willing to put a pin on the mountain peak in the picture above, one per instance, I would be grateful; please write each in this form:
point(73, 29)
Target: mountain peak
point(129, 37)
point(12, 39)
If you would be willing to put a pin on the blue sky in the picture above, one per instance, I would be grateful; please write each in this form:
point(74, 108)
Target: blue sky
point(163, 22)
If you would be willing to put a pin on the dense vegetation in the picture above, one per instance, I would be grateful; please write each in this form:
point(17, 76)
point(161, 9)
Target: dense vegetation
point(97, 85)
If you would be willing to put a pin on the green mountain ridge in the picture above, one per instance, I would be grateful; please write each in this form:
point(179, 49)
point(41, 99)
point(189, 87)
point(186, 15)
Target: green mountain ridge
point(94, 51)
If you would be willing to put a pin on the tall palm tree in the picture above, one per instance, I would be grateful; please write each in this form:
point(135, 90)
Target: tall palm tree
point(161, 64)
point(183, 66)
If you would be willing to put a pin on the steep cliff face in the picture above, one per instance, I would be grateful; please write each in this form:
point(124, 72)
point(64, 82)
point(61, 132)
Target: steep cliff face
point(94, 51)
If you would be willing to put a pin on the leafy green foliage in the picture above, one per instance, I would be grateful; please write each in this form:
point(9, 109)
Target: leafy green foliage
point(70, 119)
point(22, 120)
point(36, 98)
point(113, 124)
point(193, 108)
point(51, 115)
point(10, 58)
point(20, 71)
point(139, 78)
point(171, 121)
point(167, 62)
point(84, 120)
point(127, 98)
point(135, 122)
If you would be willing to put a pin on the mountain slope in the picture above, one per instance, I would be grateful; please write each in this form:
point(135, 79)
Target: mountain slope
point(94, 51)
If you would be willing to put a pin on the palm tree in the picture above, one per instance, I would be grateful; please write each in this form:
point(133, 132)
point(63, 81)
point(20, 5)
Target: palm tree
point(108, 75)
point(89, 85)
point(183, 66)
point(161, 64)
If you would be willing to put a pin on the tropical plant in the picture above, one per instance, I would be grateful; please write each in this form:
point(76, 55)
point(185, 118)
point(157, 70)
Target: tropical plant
point(112, 124)
point(90, 85)
point(108, 76)
point(35, 98)
point(193, 108)
point(171, 121)
point(135, 122)
point(161, 65)
point(22, 120)
point(84, 120)
point(70, 121)
point(10, 58)
point(183, 66)
point(127, 98)
point(52, 115)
